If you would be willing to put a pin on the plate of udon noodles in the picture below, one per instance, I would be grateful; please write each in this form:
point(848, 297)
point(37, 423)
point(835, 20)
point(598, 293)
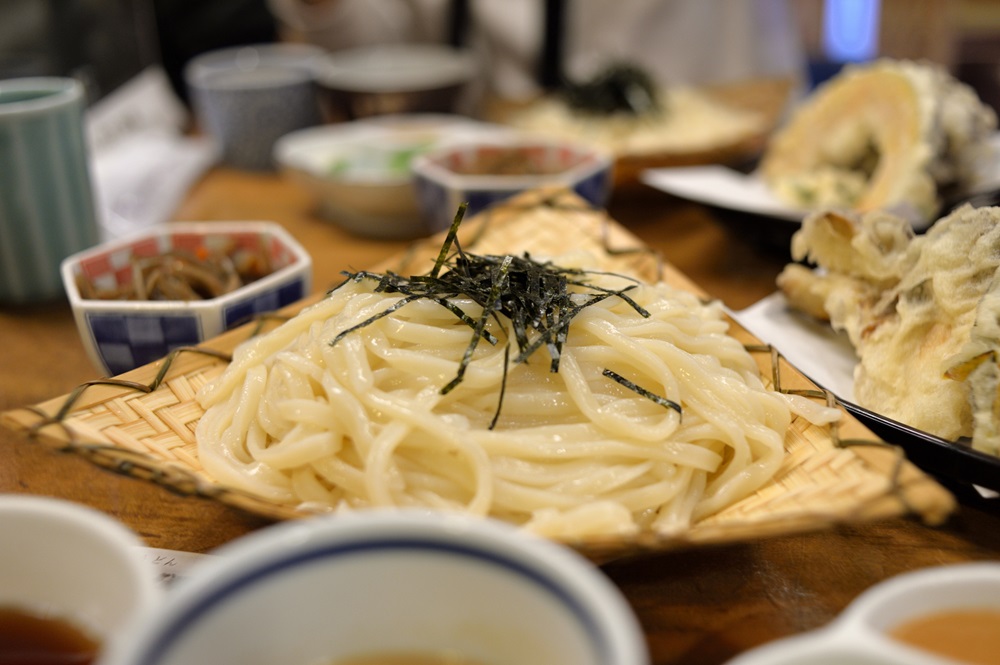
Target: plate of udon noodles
point(538, 365)
point(724, 124)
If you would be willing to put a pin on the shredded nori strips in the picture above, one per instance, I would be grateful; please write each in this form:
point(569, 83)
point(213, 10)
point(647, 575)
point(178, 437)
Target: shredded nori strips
point(662, 401)
point(539, 298)
point(620, 88)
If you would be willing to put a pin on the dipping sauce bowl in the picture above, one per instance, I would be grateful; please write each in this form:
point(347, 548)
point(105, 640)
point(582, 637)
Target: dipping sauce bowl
point(877, 628)
point(65, 567)
point(334, 590)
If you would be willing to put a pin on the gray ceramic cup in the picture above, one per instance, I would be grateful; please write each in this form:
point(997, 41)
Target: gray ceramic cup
point(47, 209)
point(247, 97)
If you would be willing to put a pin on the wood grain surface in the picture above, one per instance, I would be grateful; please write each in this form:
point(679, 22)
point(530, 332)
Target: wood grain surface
point(697, 606)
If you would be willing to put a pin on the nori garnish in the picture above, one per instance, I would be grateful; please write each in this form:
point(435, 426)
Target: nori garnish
point(535, 296)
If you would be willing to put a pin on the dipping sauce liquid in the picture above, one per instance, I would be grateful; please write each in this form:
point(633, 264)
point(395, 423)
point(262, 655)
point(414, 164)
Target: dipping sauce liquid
point(28, 639)
point(972, 636)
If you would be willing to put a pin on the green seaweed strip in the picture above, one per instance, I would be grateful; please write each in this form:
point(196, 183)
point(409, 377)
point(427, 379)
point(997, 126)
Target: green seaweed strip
point(499, 280)
point(386, 312)
point(662, 401)
point(450, 239)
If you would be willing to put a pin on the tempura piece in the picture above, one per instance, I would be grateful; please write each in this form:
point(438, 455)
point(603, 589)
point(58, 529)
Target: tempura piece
point(918, 309)
point(887, 135)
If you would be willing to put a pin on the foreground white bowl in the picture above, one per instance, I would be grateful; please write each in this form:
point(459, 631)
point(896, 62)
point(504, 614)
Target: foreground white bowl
point(860, 635)
point(65, 561)
point(320, 590)
point(120, 335)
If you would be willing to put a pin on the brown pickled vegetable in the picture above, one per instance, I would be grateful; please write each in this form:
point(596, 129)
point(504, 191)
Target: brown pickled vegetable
point(503, 161)
point(185, 275)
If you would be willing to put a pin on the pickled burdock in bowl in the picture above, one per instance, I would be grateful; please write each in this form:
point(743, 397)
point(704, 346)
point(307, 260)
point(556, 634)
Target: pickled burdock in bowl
point(137, 299)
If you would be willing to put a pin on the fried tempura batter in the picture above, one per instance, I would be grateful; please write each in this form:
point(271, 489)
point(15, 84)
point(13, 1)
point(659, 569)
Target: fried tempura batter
point(892, 133)
point(921, 311)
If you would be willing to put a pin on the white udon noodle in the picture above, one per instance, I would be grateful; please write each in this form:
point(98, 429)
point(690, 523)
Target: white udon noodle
point(363, 423)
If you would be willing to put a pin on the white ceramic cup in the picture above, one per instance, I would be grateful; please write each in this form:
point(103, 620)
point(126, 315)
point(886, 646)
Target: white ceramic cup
point(65, 561)
point(47, 209)
point(247, 97)
point(325, 589)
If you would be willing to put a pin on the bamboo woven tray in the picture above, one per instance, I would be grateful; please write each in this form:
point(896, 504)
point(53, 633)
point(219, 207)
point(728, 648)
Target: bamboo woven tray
point(141, 423)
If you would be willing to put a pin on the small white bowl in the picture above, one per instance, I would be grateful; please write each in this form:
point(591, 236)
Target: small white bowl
point(330, 588)
point(120, 335)
point(861, 633)
point(359, 172)
point(64, 561)
point(465, 173)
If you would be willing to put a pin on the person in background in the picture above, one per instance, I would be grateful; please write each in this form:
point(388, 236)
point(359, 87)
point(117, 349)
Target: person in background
point(526, 46)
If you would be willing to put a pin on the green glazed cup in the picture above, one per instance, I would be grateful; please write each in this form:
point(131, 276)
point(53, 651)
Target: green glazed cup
point(47, 209)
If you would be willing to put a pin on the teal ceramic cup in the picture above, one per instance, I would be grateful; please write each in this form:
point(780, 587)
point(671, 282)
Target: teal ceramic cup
point(47, 209)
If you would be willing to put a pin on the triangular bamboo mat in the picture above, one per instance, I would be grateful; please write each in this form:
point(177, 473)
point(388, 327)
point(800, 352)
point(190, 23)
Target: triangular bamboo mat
point(141, 424)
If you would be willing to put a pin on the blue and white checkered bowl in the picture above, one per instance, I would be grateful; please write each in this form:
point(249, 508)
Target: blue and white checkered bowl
point(332, 589)
point(450, 176)
point(120, 335)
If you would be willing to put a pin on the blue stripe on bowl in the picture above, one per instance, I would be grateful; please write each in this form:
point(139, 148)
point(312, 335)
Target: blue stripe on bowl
point(231, 590)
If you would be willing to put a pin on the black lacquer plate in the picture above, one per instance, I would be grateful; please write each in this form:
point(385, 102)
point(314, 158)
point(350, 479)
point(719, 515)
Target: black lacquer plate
point(954, 460)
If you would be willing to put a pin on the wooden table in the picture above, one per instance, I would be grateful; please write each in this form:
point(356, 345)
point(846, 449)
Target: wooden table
point(699, 606)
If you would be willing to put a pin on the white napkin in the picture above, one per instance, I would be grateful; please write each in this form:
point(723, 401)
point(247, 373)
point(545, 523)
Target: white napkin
point(142, 163)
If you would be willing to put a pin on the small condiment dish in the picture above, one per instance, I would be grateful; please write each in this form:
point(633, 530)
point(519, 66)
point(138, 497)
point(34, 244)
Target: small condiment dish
point(482, 173)
point(64, 562)
point(330, 589)
point(864, 632)
point(122, 334)
point(359, 172)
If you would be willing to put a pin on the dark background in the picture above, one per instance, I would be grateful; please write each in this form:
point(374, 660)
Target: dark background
point(106, 42)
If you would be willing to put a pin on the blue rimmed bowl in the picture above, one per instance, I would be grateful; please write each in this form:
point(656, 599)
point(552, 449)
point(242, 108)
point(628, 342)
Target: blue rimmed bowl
point(487, 172)
point(330, 589)
point(120, 335)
